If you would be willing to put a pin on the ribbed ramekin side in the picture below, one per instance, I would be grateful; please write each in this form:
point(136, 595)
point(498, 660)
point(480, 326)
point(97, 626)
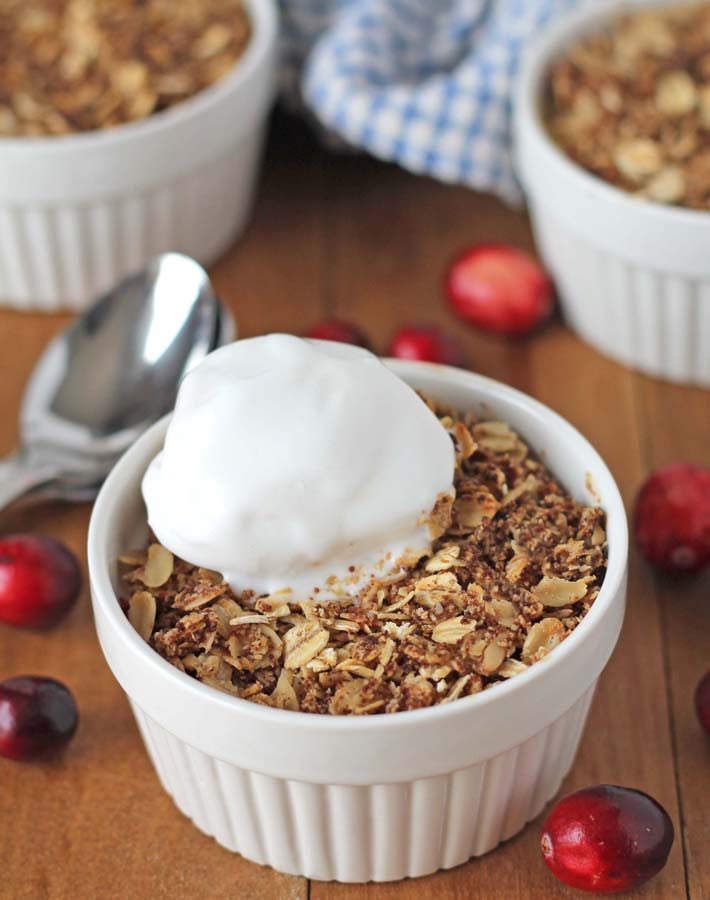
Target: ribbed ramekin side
point(652, 320)
point(381, 832)
point(61, 257)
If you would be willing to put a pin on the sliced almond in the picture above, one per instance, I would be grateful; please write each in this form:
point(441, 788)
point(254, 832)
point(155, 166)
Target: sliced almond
point(209, 576)
point(432, 590)
point(563, 613)
point(141, 104)
point(667, 186)
point(457, 689)
point(199, 596)
point(158, 567)
point(249, 619)
point(553, 592)
point(346, 698)
point(326, 659)
point(129, 77)
point(511, 667)
point(598, 536)
point(275, 605)
point(543, 637)
point(400, 603)
point(504, 611)
point(213, 40)
point(472, 510)
point(444, 559)
point(527, 486)
point(452, 630)
point(676, 94)
point(355, 668)
point(493, 658)
point(284, 695)
point(465, 444)
point(141, 613)
point(435, 673)
point(441, 581)
point(345, 625)
point(638, 158)
point(497, 437)
point(515, 567)
point(386, 652)
point(440, 517)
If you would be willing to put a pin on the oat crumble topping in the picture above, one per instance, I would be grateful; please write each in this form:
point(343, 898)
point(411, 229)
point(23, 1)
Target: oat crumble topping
point(631, 104)
point(515, 567)
point(79, 65)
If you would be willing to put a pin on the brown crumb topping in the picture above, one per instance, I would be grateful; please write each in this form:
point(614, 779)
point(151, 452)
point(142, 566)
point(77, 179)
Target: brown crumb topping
point(80, 65)
point(631, 104)
point(515, 568)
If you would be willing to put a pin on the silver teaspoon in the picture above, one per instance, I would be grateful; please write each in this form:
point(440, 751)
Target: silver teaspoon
point(113, 372)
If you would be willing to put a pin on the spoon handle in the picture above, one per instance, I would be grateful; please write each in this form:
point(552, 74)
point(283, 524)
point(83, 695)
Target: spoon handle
point(18, 478)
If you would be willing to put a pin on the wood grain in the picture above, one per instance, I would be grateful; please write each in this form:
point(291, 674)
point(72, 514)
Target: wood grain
point(676, 426)
point(365, 241)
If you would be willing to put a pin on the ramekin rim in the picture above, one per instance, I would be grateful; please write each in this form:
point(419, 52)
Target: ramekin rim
point(536, 59)
point(104, 594)
point(262, 16)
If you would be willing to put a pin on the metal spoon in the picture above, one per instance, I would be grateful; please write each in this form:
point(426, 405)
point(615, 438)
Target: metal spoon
point(113, 372)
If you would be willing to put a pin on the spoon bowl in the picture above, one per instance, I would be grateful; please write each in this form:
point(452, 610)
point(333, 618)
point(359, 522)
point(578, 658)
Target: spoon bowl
point(113, 372)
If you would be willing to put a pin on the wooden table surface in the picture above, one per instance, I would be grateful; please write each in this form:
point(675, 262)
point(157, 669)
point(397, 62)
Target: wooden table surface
point(352, 237)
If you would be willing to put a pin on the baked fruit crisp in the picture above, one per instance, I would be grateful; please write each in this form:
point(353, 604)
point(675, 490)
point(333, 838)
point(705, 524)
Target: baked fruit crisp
point(80, 65)
point(516, 565)
point(631, 104)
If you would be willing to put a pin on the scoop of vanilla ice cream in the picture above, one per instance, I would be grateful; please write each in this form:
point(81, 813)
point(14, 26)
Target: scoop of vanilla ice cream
point(289, 462)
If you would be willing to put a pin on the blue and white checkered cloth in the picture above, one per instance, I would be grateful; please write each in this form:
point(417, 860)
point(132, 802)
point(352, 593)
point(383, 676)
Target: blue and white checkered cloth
point(423, 83)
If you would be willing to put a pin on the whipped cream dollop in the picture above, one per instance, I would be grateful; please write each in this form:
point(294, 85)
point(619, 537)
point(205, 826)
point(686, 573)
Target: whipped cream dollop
point(297, 464)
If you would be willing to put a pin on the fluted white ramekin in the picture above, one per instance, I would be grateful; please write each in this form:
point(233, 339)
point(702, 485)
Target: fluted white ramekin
point(633, 276)
point(78, 212)
point(374, 798)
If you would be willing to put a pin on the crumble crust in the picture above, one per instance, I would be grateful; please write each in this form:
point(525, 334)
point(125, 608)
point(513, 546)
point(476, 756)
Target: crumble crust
point(515, 566)
point(79, 65)
point(631, 103)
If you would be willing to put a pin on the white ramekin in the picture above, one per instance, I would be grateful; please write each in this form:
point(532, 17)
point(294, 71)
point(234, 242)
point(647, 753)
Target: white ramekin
point(633, 276)
point(373, 798)
point(80, 211)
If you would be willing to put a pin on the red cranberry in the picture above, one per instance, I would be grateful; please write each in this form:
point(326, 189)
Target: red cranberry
point(428, 343)
point(37, 715)
point(606, 839)
point(672, 518)
point(340, 331)
point(499, 288)
point(39, 580)
point(702, 701)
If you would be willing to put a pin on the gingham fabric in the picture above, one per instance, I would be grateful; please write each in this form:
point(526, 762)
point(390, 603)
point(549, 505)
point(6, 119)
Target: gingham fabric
point(424, 83)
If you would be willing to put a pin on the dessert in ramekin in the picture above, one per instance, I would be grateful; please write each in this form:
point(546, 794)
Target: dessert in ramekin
point(80, 210)
point(380, 797)
point(633, 274)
